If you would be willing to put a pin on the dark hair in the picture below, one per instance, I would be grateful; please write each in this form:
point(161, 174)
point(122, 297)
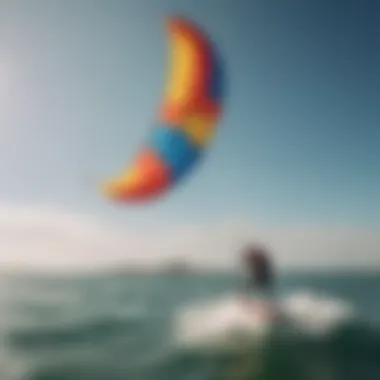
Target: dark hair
point(256, 258)
point(254, 251)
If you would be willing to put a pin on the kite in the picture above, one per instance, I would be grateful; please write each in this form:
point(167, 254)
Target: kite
point(187, 122)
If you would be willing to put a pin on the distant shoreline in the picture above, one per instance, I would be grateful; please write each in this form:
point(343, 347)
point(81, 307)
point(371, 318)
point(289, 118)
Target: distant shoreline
point(168, 272)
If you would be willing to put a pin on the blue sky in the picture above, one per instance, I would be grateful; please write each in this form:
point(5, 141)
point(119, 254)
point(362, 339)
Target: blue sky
point(81, 80)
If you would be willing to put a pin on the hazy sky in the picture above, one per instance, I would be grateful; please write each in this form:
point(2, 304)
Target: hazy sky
point(81, 81)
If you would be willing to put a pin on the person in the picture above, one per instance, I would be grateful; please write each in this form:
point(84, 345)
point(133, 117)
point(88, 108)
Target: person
point(257, 262)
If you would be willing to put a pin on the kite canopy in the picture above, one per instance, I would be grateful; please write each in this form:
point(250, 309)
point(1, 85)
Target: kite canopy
point(187, 121)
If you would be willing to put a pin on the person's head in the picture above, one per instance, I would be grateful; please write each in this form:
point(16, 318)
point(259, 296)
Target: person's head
point(255, 255)
point(257, 262)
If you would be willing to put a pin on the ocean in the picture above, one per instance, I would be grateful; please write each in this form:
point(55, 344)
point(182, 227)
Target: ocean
point(168, 327)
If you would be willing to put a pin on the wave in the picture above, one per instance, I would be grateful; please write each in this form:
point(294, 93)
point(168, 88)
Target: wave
point(317, 337)
point(220, 322)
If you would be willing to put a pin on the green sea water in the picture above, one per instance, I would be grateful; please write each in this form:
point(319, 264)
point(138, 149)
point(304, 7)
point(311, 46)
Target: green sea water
point(126, 327)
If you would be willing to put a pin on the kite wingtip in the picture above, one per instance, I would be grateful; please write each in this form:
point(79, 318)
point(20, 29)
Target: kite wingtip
point(177, 21)
point(108, 190)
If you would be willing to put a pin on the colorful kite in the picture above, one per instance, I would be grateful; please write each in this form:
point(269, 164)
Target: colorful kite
point(187, 122)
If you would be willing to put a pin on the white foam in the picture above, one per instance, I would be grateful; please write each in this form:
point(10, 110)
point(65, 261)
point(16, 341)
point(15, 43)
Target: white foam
point(226, 323)
point(316, 313)
point(223, 322)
